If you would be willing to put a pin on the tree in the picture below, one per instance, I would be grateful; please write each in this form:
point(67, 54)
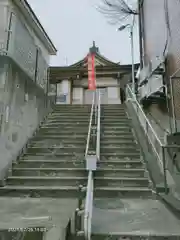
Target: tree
point(117, 11)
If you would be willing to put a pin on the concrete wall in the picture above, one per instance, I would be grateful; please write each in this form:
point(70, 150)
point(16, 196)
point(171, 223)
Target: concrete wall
point(23, 106)
point(3, 24)
point(23, 45)
point(23, 83)
point(22, 18)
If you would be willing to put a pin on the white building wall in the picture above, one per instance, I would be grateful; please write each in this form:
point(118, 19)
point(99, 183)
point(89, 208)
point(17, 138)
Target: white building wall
point(64, 88)
point(113, 95)
point(113, 89)
point(78, 95)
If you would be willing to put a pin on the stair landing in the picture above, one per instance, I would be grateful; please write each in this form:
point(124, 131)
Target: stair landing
point(41, 214)
point(137, 217)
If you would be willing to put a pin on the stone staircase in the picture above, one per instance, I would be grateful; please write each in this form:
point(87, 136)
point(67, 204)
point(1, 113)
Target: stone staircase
point(121, 163)
point(53, 165)
point(127, 207)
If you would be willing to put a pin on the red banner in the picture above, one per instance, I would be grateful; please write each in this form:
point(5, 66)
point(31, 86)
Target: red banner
point(91, 72)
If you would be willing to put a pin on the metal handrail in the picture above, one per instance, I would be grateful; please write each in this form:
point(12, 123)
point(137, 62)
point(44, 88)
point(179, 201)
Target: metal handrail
point(98, 127)
point(144, 115)
point(90, 124)
point(88, 207)
point(161, 155)
point(96, 112)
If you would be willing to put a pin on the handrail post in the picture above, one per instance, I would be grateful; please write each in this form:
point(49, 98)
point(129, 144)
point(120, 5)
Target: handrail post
point(164, 170)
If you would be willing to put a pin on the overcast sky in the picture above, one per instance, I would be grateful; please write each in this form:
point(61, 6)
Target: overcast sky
point(73, 25)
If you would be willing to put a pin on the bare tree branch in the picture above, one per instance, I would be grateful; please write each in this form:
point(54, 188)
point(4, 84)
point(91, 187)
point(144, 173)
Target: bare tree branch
point(117, 11)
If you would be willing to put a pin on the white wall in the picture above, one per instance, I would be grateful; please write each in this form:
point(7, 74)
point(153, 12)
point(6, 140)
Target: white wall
point(101, 82)
point(113, 95)
point(78, 95)
point(64, 88)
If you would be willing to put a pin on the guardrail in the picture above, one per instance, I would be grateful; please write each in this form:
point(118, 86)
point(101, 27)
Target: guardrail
point(91, 161)
point(157, 146)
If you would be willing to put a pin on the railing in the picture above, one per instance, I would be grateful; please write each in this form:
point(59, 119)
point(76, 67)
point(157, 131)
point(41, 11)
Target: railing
point(98, 127)
point(91, 161)
point(90, 124)
point(157, 146)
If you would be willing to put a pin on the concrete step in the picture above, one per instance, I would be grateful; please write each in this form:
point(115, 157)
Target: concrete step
point(120, 172)
point(40, 191)
point(75, 117)
point(62, 124)
point(60, 155)
point(116, 122)
point(110, 137)
point(68, 120)
point(51, 163)
point(70, 111)
point(51, 172)
point(77, 181)
point(117, 130)
point(63, 131)
point(112, 141)
point(119, 148)
point(106, 144)
point(56, 149)
point(120, 164)
point(114, 131)
point(72, 191)
point(74, 136)
point(78, 172)
point(75, 127)
point(120, 182)
point(113, 113)
point(62, 163)
point(112, 155)
point(46, 181)
point(117, 127)
point(122, 192)
point(49, 142)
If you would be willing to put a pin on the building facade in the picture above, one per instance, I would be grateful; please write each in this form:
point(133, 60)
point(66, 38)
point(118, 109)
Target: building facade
point(159, 79)
point(72, 81)
point(25, 50)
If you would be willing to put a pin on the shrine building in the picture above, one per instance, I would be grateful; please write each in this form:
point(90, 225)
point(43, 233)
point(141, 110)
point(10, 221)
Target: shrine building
point(72, 81)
